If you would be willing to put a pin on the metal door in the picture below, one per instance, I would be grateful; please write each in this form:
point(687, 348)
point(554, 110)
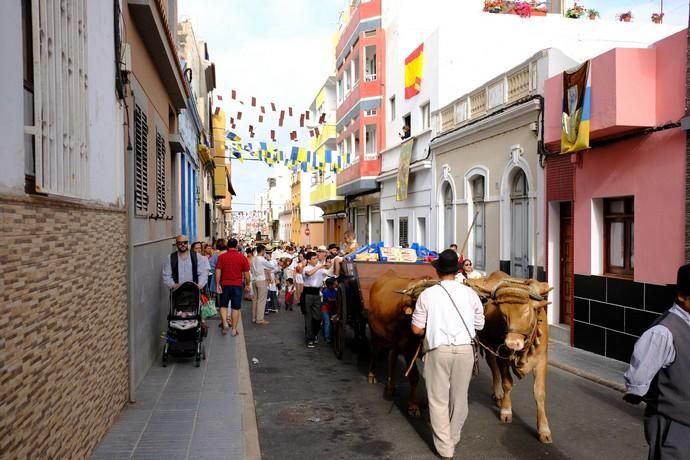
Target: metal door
point(362, 226)
point(519, 229)
point(375, 224)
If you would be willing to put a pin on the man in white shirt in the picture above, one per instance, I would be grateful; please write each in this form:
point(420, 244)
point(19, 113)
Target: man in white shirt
point(314, 274)
point(259, 285)
point(449, 313)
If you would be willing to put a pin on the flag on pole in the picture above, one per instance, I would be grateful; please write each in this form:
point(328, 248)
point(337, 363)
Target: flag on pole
point(253, 101)
point(239, 115)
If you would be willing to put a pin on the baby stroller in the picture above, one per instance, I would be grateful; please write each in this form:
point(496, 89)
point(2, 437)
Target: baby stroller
point(185, 334)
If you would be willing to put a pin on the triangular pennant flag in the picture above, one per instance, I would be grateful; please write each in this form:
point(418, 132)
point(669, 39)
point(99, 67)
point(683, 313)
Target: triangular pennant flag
point(273, 106)
point(253, 101)
point(233, 94)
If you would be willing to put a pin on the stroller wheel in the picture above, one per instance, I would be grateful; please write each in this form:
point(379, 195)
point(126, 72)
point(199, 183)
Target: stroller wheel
point(198, 361)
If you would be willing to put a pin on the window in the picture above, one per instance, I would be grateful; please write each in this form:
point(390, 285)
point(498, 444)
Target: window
point(406, 127)
point(370, 113)
point(392, 107)
point(141, 162)
point(355, 71)
point(355, 146)
point(478, 232)
point(370, 142)
point(424, 112)
point(619, 233)
point(370, 63)
point(56, 118)
point(160, 175)
point(403, 234)
point(346, 77)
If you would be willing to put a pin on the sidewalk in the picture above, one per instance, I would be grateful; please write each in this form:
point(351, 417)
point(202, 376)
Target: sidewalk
point(597, 368)
point(185, 412)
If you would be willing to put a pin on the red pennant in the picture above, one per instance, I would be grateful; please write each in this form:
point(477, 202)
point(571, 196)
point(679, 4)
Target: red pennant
point(306, 114)
point(232, 121)
point(239, 115)
point(322, 119)
point(293, 135)
point(263, 109)
point(251, 129)
point(290, 111)
point(301, 121)
point(233, 94)
point(261, 118)
point(220, 98)
point(253, 101)
point(251, 134)
point(316, 131)
point(273, 135)
point(311, 133)
point(273, 106)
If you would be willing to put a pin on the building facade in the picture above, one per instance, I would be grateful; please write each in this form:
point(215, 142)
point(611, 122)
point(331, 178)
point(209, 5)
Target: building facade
point(62, 200)
point(360, 128)
point(616, 212)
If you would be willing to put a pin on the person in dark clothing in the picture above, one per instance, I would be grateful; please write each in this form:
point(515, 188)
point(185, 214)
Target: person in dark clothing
point(183, 265)
point(659, 374)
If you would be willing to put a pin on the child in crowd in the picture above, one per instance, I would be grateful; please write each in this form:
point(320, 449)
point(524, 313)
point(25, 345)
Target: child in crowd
point(289, 293)
point(328, 295)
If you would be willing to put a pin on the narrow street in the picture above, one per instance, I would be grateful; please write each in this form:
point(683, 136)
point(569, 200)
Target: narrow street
point(310, 405)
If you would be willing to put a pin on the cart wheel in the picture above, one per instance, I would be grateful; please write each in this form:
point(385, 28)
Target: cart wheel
point(340, 324)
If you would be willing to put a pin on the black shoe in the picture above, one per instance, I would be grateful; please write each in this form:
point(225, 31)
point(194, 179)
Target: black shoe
point(311, 344)
point(316, 339)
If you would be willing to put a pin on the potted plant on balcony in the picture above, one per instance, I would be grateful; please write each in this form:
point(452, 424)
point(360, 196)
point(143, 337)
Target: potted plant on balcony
point(522, 9)
point(592, 14)
point(575, 12)
point(657, 18)
point(625, 17)
point(493, 6)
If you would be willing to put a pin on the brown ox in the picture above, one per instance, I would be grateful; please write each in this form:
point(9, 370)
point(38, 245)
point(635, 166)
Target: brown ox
point(392, 300)
point(517, 337)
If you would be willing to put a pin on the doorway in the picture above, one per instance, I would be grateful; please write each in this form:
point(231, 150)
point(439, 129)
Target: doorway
point(448, 227)
point(519, 216)
point(566, 263)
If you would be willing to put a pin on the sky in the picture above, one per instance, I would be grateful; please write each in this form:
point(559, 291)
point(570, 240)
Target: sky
point(282, 51)
point(275, 50)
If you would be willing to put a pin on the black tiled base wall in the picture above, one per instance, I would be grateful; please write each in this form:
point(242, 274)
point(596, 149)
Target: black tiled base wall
point(539, 274)
point(611, 313)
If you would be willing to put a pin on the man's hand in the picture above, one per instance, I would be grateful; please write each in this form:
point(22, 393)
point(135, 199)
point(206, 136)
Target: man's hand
point(632, 398)
point(174, 286)
point(219, 289)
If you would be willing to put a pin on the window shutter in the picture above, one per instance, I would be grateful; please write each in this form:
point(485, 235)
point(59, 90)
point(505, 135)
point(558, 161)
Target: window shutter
point(141, 169)
point(160, 175)
point(403, 231)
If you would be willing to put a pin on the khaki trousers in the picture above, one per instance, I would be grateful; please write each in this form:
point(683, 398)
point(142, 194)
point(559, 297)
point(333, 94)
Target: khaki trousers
point(259, 291)
point(447, 374)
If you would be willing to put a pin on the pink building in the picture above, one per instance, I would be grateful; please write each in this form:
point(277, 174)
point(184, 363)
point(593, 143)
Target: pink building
point(616, 212)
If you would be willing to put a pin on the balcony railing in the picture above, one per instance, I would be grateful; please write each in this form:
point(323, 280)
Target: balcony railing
point(370, 77)
point(509, 87)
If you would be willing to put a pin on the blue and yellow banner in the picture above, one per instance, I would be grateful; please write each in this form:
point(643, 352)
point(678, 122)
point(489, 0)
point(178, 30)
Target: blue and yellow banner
point(577, 94)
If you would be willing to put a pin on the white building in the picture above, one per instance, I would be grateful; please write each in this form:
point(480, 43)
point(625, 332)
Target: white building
point(463, 48)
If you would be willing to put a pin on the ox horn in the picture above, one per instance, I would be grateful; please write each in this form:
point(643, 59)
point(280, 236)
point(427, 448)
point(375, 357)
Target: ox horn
point(496, 287)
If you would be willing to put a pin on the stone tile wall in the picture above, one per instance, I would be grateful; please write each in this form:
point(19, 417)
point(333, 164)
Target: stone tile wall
point(63, 325)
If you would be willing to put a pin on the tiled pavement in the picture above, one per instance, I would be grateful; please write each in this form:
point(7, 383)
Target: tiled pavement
point(185, 412)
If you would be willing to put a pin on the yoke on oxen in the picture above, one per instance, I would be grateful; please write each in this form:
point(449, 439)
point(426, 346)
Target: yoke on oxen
point(515, 337)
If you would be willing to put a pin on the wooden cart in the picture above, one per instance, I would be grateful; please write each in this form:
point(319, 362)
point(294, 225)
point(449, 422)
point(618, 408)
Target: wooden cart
point(352, 302)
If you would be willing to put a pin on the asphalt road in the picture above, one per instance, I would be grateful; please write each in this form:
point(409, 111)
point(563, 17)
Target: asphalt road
point(310, 405)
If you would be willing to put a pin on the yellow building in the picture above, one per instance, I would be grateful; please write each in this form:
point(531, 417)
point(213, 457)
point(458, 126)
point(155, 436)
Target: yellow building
point(222, 185)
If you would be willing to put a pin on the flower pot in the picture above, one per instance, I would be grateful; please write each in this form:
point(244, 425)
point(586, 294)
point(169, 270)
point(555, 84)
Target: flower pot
point(656, 21)
point(592, 18)
point(626, 19)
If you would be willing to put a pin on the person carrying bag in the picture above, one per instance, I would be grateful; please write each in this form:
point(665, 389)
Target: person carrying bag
point(442, 315)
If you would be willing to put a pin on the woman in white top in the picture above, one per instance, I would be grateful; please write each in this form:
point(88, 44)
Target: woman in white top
point(470, 272)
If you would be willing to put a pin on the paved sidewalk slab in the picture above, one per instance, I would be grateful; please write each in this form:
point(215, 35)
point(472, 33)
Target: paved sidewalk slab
point(185, 412)
point(597, 368)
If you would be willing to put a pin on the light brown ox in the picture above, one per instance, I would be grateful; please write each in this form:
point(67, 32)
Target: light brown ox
point(516, 330)
point(392, 300)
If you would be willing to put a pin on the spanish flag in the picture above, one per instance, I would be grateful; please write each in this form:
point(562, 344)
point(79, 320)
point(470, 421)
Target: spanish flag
point(414, 64)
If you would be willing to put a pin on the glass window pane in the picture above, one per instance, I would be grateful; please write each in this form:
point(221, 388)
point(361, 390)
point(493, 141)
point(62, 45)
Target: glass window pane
point(616, 244)
point(632, 245)
point(616, 206)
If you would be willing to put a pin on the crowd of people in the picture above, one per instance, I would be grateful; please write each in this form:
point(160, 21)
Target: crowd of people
point(273, 277)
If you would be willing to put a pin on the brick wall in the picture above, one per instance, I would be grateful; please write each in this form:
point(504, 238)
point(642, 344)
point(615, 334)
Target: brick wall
point(63, 326)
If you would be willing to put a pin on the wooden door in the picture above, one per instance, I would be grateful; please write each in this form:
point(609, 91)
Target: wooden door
point(566, 264)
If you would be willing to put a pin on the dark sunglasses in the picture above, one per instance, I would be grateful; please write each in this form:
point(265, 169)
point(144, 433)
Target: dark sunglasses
point(182, 242)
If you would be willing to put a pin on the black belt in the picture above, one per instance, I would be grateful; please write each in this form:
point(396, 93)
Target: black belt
point(312, 290)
